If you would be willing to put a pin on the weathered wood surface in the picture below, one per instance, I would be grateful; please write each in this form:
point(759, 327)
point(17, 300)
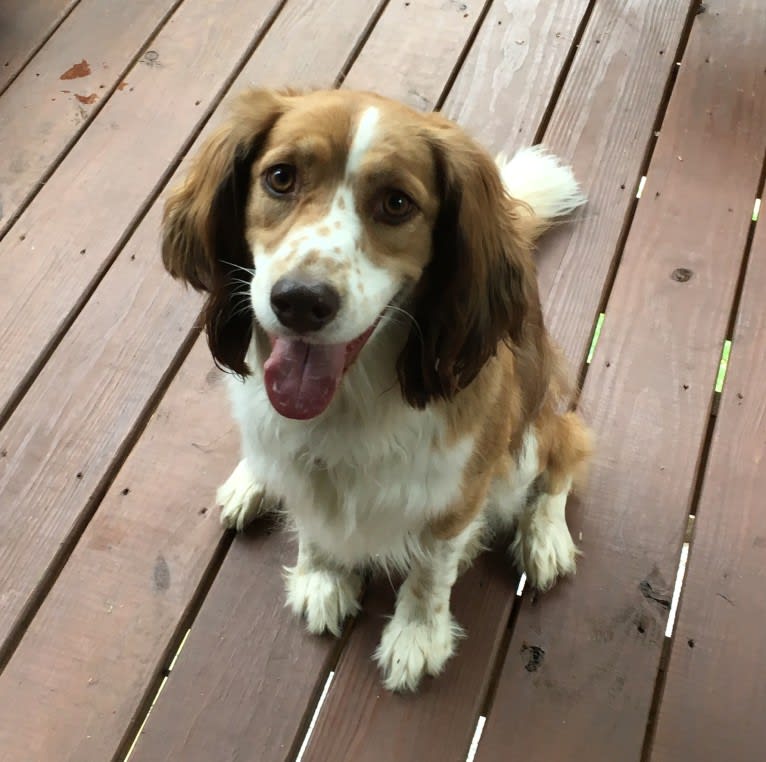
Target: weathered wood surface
point(648, 393)
point(77, 415)
point(60, 247)
point(113, 439)
point(24, 27)
point(150, 319)
point(54, 98)
point(714, 700)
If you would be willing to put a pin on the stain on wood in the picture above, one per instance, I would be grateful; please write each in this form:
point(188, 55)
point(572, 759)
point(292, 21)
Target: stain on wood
point(161, 574)
point(81, 69)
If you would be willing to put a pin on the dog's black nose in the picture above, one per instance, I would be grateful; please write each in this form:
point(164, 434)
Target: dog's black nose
point(304, 306)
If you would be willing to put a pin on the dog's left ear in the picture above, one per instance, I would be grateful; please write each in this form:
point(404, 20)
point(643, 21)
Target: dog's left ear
point(479, 286)
point(203, 227)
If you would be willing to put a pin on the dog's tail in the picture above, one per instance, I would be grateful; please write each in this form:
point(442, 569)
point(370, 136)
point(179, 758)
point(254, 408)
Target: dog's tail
point(546, 186)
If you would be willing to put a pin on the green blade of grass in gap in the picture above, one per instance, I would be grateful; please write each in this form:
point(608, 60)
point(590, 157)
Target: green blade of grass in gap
point(596, 334)
point(756, 209)
point(722, 367)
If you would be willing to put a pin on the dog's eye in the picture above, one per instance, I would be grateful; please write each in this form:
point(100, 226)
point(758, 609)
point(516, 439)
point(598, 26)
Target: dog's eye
point(395, 207)
point(280, 179)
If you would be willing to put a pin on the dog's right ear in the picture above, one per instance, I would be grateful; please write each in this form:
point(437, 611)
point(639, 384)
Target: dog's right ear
point(206, 211)
point(203, 226)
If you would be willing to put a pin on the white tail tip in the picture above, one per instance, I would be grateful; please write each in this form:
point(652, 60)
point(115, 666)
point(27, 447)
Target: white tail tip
point(540, 179)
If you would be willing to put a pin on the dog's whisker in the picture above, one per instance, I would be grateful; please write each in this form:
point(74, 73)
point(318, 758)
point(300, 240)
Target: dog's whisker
point(241, 303)
point(248, 270)
point(410, 317)
point(241, 296)
point(239, 312)
point(241, 282)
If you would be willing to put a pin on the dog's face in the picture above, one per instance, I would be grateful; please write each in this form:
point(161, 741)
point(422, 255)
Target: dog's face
point(339, 217)
point(339, 223)
point(313, 215)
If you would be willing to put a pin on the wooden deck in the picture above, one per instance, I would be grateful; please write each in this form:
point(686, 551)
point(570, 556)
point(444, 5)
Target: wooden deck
point(116, 581)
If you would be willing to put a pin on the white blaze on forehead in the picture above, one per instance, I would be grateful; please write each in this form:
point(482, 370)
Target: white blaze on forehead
point(335, 239)
point(363, 137)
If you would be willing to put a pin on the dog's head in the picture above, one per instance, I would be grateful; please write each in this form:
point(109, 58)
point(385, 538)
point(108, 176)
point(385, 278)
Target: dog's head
point(314, 215)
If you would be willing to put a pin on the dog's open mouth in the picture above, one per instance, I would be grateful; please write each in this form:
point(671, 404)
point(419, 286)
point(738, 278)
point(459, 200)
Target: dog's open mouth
point(302, 378)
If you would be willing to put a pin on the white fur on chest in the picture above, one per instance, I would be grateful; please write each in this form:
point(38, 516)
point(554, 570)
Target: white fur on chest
point(362, 479)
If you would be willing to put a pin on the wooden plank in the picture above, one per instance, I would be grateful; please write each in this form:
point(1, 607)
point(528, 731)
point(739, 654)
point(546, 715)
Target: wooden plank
point(715, 692)
point(67, 237)
point(73, 685)
point(362, 722)
point(85, 423)
point(52, 101)
point(603, 124)
point(77, 417)
point(359, 720)
point(249, 675)
point(411, 51)
point(24, 27)
point(63, 686)
point(648, 393)
point(502, 104)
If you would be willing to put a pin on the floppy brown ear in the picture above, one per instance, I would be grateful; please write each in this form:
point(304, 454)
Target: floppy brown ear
point(479, 287)
point(203, 226)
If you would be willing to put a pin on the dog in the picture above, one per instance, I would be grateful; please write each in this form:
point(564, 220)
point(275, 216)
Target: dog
point(371, 287)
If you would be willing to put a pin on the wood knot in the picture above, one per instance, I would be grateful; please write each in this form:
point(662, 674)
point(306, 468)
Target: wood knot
point(535, 657)
point(682, 274)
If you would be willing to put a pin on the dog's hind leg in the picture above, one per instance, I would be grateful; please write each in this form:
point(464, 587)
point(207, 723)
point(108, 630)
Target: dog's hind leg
point(543, 547)
point(534, 495)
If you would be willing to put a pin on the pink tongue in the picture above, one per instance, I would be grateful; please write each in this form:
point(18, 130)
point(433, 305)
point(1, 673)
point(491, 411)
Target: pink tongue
point(301, 378)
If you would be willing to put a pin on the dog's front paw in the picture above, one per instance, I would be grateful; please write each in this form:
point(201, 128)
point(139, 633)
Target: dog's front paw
point(325, 597)
point(410, 649)
point(242, 498)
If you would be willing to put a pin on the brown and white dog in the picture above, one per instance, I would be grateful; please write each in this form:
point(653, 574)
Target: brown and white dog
point(371, 285)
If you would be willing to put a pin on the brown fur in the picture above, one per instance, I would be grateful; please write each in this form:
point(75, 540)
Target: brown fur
point(480, 311)
point(480, 350)
point(495, 410)
point(203, 224)
point(479, 290)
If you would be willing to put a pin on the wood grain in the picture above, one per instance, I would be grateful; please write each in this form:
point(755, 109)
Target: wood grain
point(73, 685)
point(82, 408)
point(413, 49)
point(249, 675)
point(24, 26)
point(648, 393)
point(715, 695)
point(76, 419)
point(68, 236)
point(360, 720)
point(65, 84)
point(603, 125)
point(89, 658)
point(505, 84)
